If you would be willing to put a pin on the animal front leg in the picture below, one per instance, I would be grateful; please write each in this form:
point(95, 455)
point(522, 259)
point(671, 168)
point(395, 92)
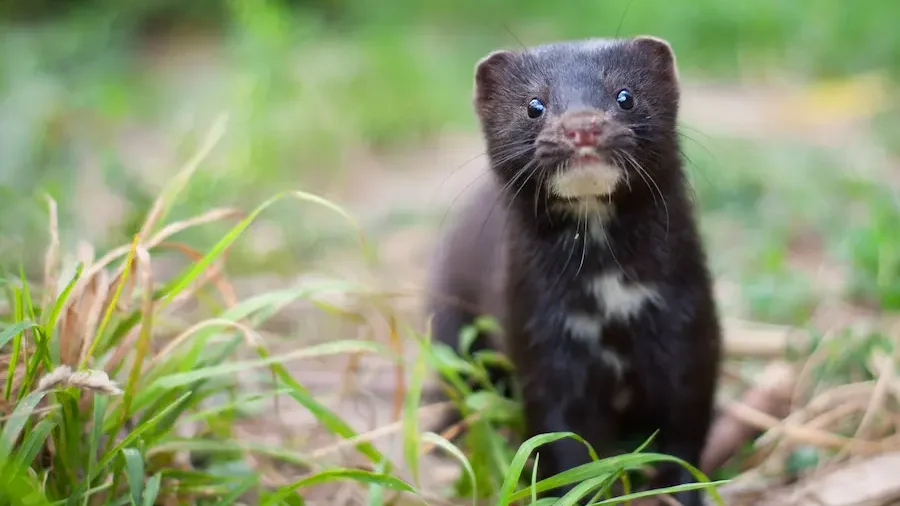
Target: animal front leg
point(563, 454)
point(683, 435)
point(670, 474)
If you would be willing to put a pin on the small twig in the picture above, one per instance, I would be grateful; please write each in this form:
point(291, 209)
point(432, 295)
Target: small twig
point(885, 373)
point(769, 396)
point(803, 434)
point(818, 354)
point(749, 339)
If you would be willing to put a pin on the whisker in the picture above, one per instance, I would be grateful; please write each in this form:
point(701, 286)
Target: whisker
point(517, 143)
point(504, 192)
point(533, 170)
point(640, 170)
point(566, 238)
point(508, 155)
point(584, 237)
point(622, 19)
point(617, 160)
point(542, 179)
point(546, 190)
point(631, 163)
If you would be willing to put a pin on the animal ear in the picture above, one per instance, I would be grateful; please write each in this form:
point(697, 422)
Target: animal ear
point(489, 73)
point(660, 52)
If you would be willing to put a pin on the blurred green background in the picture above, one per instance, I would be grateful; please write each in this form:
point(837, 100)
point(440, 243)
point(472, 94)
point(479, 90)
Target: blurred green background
point(102, 101)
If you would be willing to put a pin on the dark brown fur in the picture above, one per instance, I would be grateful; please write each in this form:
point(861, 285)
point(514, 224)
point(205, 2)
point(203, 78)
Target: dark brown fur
point(520, 253)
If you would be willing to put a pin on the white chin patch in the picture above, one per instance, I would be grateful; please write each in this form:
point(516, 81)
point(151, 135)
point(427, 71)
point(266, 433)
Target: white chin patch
point(586, 180)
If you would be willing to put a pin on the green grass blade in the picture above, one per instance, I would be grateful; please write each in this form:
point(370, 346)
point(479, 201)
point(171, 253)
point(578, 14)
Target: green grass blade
point(134, 472)
point(328, 348)
point(309, 197)
point(217, 446)
point(191, 273)
point(17, 344)
point(499, 450)
point(100, 404)
point(450, 448)
point(177, 184)
point(411, 438)
point(16, 423)
point(101, 329)
point(151, 490)
point(239, 489)
point(277, 299)
point(521, 457)
point(51, 318)
point(493, 406)
point(18, 488)
point(534, 470)
point(609, 466)
point(294, 500)
point(238, 402)
point(26, 295)
point(327, 417)
point(69, 456)
point(646, 443)
point(14, 330)
point(449, 365)
point(581, 490)
point(138, 432)
point(41, 357)
point(33, 443)
point(376, 491)
point(259, 308)
point(141, 350)
point(196, 393)
point(708, 486)
point(340, 474)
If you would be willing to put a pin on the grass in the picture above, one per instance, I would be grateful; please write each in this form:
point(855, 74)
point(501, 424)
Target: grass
point(104, 368)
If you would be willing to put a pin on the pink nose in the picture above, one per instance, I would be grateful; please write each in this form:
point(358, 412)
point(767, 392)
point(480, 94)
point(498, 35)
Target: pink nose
point(583, 137)
point(582, 130)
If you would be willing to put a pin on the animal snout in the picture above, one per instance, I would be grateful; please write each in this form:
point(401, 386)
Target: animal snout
point(583, 130)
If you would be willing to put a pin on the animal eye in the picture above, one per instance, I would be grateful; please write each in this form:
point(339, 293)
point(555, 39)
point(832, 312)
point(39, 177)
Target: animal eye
point(625, 100)
point(535, 108)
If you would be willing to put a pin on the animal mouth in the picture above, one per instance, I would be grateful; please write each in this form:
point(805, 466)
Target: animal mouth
point(587, 158)
point(587, 175)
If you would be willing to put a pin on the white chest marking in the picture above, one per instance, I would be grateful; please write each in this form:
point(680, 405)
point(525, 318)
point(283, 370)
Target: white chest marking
point(622, 300)
point(621, 400)
point(584, 326)
point(616, 362)
point(617, 300)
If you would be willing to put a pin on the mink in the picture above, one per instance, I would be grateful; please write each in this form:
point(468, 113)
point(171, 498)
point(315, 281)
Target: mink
point(583, 243)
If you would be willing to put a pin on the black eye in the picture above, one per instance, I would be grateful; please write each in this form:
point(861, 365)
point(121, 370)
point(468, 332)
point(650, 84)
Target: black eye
point(625, 100)
point(535, 108)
